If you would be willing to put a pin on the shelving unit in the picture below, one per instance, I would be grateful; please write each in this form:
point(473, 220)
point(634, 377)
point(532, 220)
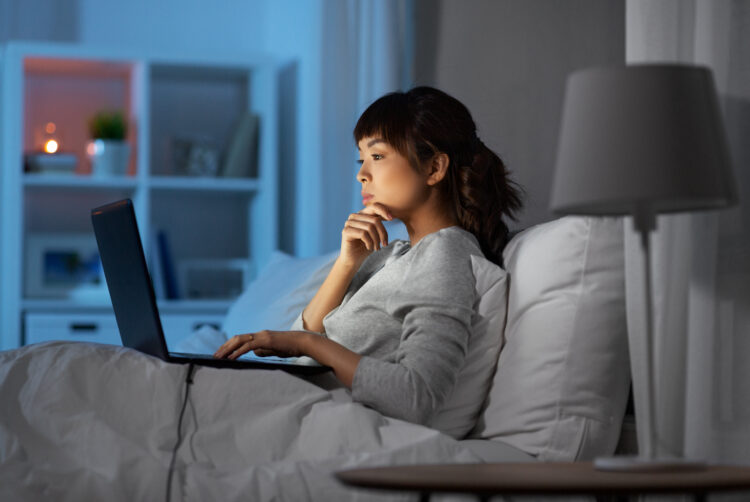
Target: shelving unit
point(165, 97)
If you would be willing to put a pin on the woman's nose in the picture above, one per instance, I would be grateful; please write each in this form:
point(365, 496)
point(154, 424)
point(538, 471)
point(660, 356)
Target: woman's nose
point(362, 174)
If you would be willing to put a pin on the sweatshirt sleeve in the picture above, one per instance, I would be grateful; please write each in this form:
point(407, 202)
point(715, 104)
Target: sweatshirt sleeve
point(434, 302)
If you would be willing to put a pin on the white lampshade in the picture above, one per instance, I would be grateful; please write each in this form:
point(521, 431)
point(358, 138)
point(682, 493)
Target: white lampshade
point(642, 140)
point(641, 137)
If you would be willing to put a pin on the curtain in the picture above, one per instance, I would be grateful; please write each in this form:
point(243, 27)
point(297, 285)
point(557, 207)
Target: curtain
point(701, 261)
point(367, 52)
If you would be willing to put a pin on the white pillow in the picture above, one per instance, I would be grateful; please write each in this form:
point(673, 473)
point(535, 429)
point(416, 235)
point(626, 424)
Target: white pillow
point(459, 414)
point(562, 378)
point(274, 299)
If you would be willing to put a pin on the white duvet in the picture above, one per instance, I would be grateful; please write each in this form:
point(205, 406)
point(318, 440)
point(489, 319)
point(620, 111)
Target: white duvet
point(94, 422)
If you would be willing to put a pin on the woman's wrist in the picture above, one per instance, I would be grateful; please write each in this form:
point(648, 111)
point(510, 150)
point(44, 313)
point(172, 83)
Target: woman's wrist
point(348, 265)
point(307, 343)
point(329, 353)
point(330, 294)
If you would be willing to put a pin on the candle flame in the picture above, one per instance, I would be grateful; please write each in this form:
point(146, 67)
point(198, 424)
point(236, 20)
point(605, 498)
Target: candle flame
point(50, 146)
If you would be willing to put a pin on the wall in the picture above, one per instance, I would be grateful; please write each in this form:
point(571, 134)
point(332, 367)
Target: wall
point(173, 24)
point(38, 20)
point(507, 60)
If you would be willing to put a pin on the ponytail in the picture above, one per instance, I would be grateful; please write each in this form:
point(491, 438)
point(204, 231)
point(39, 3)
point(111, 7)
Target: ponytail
point(482, 195)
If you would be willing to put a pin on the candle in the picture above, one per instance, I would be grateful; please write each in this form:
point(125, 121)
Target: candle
point(51, 145)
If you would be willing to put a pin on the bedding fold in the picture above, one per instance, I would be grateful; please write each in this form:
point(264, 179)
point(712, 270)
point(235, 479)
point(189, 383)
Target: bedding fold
point(84, 421)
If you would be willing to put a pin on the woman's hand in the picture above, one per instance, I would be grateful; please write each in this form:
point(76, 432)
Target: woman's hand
point(265, 343)
point(364, 233)
point(341, 360)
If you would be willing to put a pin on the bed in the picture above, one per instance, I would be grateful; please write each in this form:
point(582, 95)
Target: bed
point(86, 421)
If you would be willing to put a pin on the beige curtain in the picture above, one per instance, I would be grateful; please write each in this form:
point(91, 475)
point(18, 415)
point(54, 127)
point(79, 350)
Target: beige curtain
point(701, 260)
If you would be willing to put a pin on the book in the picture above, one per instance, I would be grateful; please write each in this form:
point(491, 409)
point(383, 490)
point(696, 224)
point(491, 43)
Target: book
point(241, 158)
point(155, 268)
point(167, 266)
point(51, 163)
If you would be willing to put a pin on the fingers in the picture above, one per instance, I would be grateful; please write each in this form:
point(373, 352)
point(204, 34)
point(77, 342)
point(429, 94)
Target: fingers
point(373, 222)
point(378, 209)
point(368, 228)
point(236, 346)
point(264, 343)
point(354, 231)
point(261, 343)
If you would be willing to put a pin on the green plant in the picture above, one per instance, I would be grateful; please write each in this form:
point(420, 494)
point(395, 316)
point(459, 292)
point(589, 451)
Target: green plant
point(108, 125)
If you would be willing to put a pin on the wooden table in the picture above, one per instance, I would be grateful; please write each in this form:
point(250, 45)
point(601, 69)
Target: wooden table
point(545, 478)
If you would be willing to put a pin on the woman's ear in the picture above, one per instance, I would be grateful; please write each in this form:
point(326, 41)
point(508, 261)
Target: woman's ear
point(438, 168)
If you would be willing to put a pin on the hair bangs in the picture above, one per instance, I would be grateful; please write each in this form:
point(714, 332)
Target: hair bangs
point(389, 119)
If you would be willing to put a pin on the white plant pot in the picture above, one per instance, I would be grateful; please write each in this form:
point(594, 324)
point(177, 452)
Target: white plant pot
point(108, 157)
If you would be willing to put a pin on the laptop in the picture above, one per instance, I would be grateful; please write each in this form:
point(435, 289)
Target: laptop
point(134, 301)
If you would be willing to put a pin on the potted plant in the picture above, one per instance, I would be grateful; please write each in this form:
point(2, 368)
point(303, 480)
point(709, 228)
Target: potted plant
point(108, 151)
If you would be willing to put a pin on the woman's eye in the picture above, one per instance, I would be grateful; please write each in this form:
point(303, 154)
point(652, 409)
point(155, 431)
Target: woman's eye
point(376, 156)
point(360, 161)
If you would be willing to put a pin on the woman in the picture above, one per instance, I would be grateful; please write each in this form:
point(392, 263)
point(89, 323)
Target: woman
point(393, 320)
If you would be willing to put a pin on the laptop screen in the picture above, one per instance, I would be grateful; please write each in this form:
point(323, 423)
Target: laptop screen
point(128, 280)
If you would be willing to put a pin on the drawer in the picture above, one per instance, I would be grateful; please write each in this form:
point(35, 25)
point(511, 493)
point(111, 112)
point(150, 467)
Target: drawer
point(177, 327)
point(98, 328)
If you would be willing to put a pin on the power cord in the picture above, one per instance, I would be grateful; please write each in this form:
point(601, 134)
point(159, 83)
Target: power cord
point(188, 382)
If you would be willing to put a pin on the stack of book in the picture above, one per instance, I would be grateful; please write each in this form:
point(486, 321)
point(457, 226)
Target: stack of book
point(51, 163)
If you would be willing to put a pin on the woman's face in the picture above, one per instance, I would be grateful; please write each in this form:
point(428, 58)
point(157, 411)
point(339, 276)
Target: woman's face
point(388, 178)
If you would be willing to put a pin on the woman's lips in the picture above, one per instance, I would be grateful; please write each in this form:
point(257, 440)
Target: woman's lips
point(366, 197)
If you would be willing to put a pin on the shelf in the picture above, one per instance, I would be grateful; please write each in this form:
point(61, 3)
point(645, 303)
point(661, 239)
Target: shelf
point(56, 182)
point(65, 305)
point(86, 68)
point(174, 102)
point(164, 183)
point(204, 184)
point(165, 306)
point(193, 306)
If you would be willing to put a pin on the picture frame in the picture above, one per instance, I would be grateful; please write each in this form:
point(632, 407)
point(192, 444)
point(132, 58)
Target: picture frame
point(63, 266)
point(194, 156)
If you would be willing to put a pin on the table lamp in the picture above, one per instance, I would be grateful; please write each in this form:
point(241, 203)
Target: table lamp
point(641, 140)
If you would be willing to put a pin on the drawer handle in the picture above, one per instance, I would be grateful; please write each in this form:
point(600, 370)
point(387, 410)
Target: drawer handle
point(83, 327)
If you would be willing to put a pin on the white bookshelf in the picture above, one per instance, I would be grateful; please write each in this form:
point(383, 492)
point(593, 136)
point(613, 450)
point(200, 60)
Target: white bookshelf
point(165, 96)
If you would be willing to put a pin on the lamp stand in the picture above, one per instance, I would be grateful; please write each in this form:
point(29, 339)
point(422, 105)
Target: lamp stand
point(644, 221)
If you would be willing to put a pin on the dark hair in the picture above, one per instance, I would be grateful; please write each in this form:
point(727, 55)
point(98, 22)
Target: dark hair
point(425, 121)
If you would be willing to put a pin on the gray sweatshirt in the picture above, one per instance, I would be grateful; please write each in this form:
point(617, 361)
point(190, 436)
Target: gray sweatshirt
point(408, 312)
